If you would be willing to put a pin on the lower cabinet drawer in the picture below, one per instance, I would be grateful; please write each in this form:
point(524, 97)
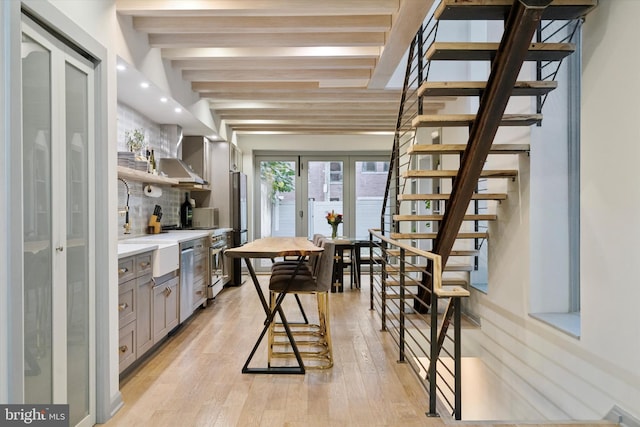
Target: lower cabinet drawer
point(199, 293)
point(127, 302)
point(127, 345)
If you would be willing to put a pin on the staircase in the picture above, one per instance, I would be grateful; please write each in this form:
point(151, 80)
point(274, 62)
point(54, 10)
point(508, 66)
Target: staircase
point(442, 195)
point(459, 202)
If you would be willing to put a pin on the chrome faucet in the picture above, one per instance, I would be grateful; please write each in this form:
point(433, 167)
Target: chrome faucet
point(127, 225)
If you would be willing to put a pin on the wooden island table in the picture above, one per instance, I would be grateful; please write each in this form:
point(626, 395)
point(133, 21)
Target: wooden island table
point(274, 247)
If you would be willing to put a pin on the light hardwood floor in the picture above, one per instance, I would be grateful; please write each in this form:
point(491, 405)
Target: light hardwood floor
point(195, 378)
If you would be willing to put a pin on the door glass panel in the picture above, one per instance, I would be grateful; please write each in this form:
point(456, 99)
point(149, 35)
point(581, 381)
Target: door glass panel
point(36, 132)
point(77, 124)
point(325, 182)
point(371, 180)
point(277, 199)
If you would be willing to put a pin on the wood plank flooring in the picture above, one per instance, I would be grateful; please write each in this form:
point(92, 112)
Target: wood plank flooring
point(195, 378)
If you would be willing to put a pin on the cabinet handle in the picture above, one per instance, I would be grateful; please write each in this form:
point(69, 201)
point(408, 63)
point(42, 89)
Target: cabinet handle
point(145, 264)
point(123, 270)
point(123, 348)
point(167, 291)
point(123, 306)
point(199, 292)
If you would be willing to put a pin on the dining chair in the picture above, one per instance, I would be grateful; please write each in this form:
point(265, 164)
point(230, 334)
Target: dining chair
point(317, 337)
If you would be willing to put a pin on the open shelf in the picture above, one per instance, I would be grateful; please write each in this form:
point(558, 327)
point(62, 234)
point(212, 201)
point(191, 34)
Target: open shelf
point(135, 175)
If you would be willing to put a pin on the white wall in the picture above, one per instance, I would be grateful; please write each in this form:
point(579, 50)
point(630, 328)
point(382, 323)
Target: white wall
point(563, 376)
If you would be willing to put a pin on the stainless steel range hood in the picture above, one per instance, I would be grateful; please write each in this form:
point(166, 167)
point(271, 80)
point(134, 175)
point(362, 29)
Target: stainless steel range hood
point(177, 169)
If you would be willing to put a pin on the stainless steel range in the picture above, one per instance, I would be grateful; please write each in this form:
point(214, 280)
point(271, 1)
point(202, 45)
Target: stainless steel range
point(220, 271)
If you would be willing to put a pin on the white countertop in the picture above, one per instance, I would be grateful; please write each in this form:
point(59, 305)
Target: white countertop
point(129, 249)
point(174, 236)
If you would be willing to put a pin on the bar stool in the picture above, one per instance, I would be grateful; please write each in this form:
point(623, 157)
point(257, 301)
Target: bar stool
point(318, 336)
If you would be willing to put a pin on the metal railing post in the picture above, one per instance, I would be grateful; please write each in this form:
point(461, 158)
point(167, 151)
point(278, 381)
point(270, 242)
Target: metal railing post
point(402, 313)
point(433, 354)
point(457, 354)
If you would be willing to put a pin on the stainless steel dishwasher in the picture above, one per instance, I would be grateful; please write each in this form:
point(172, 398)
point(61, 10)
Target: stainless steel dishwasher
point(186, 280)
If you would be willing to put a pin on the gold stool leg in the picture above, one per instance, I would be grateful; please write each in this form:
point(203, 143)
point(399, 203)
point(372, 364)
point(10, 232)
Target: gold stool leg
point(270, 339)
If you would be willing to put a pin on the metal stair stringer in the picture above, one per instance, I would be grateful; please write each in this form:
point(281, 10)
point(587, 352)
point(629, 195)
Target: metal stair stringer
point(521, 25)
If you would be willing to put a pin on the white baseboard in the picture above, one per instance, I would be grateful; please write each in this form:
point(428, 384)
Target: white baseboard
point(622, 417)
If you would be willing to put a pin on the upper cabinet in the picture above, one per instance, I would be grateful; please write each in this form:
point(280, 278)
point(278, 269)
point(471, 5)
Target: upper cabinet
point(196, 153)
point(235, 158)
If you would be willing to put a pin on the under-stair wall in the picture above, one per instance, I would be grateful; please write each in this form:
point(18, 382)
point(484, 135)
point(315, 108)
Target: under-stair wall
point(568, 377)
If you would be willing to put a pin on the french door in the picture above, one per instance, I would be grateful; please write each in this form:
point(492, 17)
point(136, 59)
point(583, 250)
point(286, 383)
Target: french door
point(295, 193)
point(57, 143)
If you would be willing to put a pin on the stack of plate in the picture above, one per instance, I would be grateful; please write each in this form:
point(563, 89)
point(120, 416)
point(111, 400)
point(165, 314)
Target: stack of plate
point(127, 159)
point(141, 165)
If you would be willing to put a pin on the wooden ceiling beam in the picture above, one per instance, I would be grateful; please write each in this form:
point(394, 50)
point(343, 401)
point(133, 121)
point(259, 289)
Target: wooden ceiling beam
point(307, 97)
point(261, 24)
point(326, 63)
point(256, 7)
point(273, 75)
point(163, 40)
point(271, 52)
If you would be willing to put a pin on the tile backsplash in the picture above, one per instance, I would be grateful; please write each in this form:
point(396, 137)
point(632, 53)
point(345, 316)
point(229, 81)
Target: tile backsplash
point(163, 141)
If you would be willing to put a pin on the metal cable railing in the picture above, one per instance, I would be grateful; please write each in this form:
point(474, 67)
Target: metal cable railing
point(397, 273)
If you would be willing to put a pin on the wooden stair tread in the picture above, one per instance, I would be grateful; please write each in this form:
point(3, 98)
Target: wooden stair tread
point(475, 196)
point(452, 120)
point(459, 252)
point(487, 10)
point(455, 252)
point(534, 88)
point(483, 51)
point(436, 217)
point(412, 282)
point(470, 235)
point(459, 148)
point(455, 282)
point(495, 173)
point(395, 268)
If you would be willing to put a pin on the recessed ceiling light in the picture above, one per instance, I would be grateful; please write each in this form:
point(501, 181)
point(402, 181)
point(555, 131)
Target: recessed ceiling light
point(144, 85)
point(121, 67)
point(163, 99)
point(178, 110)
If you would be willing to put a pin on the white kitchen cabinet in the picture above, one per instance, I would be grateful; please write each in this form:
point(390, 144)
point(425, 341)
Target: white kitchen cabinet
point(135, 307)
point(165, 308)
point(144, 319)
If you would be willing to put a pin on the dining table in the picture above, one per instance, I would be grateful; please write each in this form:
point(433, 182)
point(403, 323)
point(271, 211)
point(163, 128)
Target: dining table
point(347, 248)
point(271, 248)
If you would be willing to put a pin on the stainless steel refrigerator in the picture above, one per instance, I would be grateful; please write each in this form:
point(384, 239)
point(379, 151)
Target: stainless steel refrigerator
point(239, 214)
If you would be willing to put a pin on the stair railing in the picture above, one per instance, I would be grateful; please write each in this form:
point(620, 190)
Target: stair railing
point(553, 31)
point(410, 106)
point(432, 350)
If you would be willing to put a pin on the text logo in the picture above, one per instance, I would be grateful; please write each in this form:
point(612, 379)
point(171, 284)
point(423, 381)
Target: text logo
point(34, 415)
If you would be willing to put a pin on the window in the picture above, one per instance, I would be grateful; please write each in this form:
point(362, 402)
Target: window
point(375, 167)
point(335, 172)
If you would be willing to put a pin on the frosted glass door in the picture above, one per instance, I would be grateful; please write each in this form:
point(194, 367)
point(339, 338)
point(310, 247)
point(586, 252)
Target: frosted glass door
point(37, 214)
point(79, 298)
point(58, 129)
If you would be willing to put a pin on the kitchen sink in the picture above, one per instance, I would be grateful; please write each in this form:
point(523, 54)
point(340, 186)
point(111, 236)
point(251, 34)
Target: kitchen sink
point(166, 258)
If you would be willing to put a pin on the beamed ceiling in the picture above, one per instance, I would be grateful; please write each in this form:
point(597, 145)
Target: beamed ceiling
point(287, 66)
